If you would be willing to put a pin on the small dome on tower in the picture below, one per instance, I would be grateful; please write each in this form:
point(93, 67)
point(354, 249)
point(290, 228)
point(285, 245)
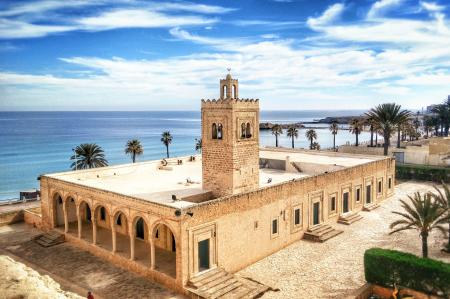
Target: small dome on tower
point(228, 76)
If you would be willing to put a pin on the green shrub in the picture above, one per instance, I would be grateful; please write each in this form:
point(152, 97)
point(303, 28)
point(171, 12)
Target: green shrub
point(422, 173)
point(384, 267)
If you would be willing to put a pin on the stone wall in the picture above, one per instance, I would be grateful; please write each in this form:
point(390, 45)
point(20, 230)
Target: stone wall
point(242, 222)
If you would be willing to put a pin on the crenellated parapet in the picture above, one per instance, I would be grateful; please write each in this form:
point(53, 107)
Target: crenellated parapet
point(230, 103)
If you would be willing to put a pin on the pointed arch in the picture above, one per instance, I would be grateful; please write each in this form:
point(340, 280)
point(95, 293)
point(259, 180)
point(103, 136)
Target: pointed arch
point(214, 131)
point(248, 131)
point(219, 131)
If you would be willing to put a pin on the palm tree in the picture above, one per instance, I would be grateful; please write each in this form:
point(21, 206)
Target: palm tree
point(334, 128)
point(443, 199)
point(442, 111)
point(421, 214)
point(372, 124)
point(427, 124)
point(356, 127)
point(311, 135)
point(134, 148)
point(166, 139)
point(198, 145)
point(88, 155)
point(277, 130)
point(292, 132)
point(387, 117)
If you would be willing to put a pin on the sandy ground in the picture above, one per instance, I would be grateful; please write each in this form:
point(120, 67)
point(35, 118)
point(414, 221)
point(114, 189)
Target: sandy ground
point(334, 269)
point(20, 281)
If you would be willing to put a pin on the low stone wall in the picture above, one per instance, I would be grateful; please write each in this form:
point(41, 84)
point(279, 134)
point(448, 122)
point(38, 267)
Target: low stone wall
point(33, 217)
point(11, 217)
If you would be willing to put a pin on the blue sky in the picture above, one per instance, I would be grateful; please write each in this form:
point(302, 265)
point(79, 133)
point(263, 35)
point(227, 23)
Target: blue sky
point(156, 55)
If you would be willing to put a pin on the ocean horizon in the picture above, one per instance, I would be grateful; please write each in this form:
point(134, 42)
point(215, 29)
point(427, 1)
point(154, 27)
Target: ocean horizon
point(38, 142)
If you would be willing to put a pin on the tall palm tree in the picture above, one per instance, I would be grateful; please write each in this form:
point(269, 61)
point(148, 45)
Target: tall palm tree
point(421, 214)
point(277, 130)
point(134, 148)
point(292, 132)
point(166, 139)
point(387, 117)
point(402, 124)
point(198, 145)
point(442, 112)
point(427, 124)
point(88, 155)
point(372, 125)
point(443, 199)
point(356, 127)
point(334, 128)
point(311, 135)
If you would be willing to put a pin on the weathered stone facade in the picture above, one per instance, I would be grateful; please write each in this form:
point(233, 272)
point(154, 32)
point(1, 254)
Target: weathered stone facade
point(173, 241)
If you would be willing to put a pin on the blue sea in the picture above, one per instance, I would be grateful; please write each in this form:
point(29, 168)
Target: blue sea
point(34, 143)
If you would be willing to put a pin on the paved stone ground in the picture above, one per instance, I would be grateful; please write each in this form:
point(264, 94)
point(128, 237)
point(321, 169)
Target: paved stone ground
point(79, 267)
point(334, 269)
point(19, 206)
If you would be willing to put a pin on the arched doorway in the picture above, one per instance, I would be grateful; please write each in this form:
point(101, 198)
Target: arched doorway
point(58, 211)
point(121, 235)
point(165, 245)
point(103, 228)
point(85, 221)
point(140, 244)
point(71, 210)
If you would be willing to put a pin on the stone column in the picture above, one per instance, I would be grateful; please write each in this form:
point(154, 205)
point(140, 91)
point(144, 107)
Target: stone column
point(94, 230)
point(132, 241)
point(152, 254)
point(80, 224)
point(113, 231)
point(66, 218)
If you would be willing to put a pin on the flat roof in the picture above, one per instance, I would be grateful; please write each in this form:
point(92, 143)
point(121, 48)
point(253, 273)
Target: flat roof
point(146, 181)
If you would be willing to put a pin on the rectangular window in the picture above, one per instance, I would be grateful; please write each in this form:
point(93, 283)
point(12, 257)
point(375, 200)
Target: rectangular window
point(358, 194)
point(390, 183)
point(379, 186)
point(297, 217)
point(333, 203)
point(274, 226)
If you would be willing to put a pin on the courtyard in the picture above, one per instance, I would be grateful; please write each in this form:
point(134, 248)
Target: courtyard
point(335, 269)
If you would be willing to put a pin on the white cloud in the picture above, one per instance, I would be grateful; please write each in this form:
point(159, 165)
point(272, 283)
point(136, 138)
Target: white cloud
point(380, 7)
point(331, 14)
point(431, 6)
point(18, 29)
point(135, 18)
point(19, 21)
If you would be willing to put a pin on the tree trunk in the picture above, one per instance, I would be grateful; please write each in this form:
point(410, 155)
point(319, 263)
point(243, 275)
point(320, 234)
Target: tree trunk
point(167, 150)
point(292, 141)
point(310, 146)
point(134, 157)
point(386, 145)
point(424, 244)
point(276, 140)
point(398, 137)
point(376, 139)
point(448, 244)
point(357, 139)
point(371, 136)
point(334, 141)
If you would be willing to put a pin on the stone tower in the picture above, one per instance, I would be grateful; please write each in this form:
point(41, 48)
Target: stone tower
point(230, 141)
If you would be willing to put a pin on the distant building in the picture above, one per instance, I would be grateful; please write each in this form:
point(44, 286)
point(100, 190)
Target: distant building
point(237, 204)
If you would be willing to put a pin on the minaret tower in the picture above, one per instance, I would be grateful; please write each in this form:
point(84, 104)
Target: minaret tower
point(230, 141)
